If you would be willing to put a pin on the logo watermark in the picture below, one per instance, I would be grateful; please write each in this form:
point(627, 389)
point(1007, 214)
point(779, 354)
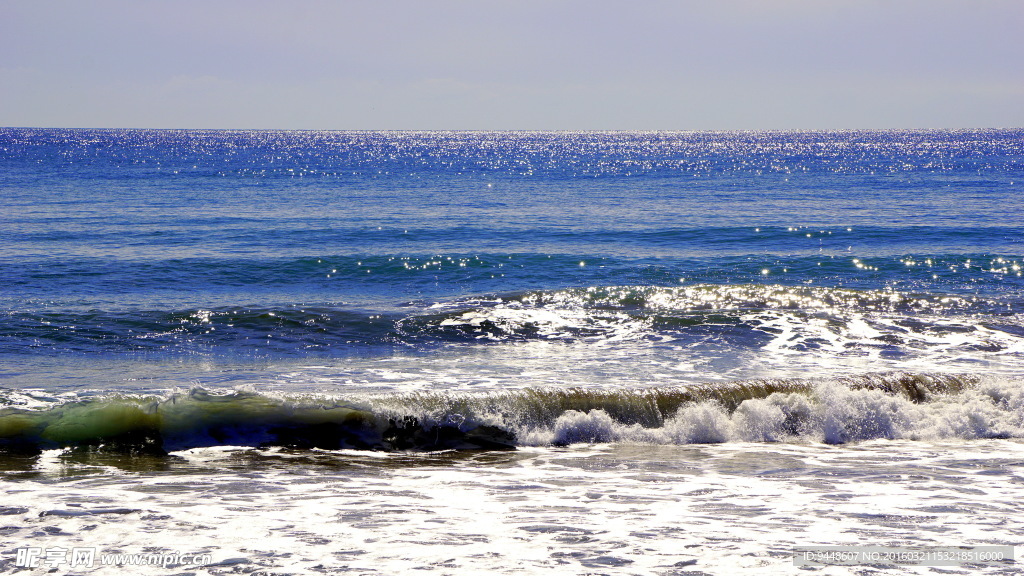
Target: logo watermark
point(902, 555)
point(89, 557)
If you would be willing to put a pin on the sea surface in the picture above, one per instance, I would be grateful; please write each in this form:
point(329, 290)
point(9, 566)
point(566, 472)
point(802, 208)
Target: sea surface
point(665, 353)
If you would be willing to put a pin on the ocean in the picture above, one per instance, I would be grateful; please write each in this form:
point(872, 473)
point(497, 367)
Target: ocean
point(671, 353)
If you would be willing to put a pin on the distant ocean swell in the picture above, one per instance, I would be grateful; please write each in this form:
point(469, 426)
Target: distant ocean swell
point(836, 410)
point(749, 316)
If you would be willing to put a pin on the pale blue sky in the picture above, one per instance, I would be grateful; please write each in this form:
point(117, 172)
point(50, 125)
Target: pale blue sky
point(523, 64)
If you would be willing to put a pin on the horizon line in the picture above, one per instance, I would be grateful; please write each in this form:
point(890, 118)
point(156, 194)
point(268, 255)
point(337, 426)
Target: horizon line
point(523, 130)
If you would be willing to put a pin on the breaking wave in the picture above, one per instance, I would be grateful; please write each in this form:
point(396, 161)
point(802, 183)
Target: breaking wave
point(834, 410)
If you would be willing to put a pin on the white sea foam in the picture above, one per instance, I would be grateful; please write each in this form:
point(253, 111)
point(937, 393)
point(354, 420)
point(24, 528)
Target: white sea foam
point(735, 508)
point(831, 412)
point(744, 331)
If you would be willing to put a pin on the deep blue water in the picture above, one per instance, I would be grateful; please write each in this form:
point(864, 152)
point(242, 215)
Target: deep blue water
point(148, 261)
point(123, 233)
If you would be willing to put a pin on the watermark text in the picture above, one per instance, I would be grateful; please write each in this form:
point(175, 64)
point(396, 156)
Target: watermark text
point(89, 557)
point(901, 555)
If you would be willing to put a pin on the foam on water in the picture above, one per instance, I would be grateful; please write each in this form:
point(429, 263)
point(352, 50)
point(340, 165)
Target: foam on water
point(736, 508)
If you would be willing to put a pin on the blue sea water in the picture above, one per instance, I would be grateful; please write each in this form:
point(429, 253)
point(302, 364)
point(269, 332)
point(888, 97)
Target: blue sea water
point(164, 291)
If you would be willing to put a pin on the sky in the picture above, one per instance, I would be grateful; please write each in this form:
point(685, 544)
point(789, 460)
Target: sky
point(512, 65)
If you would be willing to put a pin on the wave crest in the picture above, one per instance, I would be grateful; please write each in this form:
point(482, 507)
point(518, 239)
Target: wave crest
point(896, 405)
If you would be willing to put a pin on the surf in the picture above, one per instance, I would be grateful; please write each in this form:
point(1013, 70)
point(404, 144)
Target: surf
point(838, 410)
